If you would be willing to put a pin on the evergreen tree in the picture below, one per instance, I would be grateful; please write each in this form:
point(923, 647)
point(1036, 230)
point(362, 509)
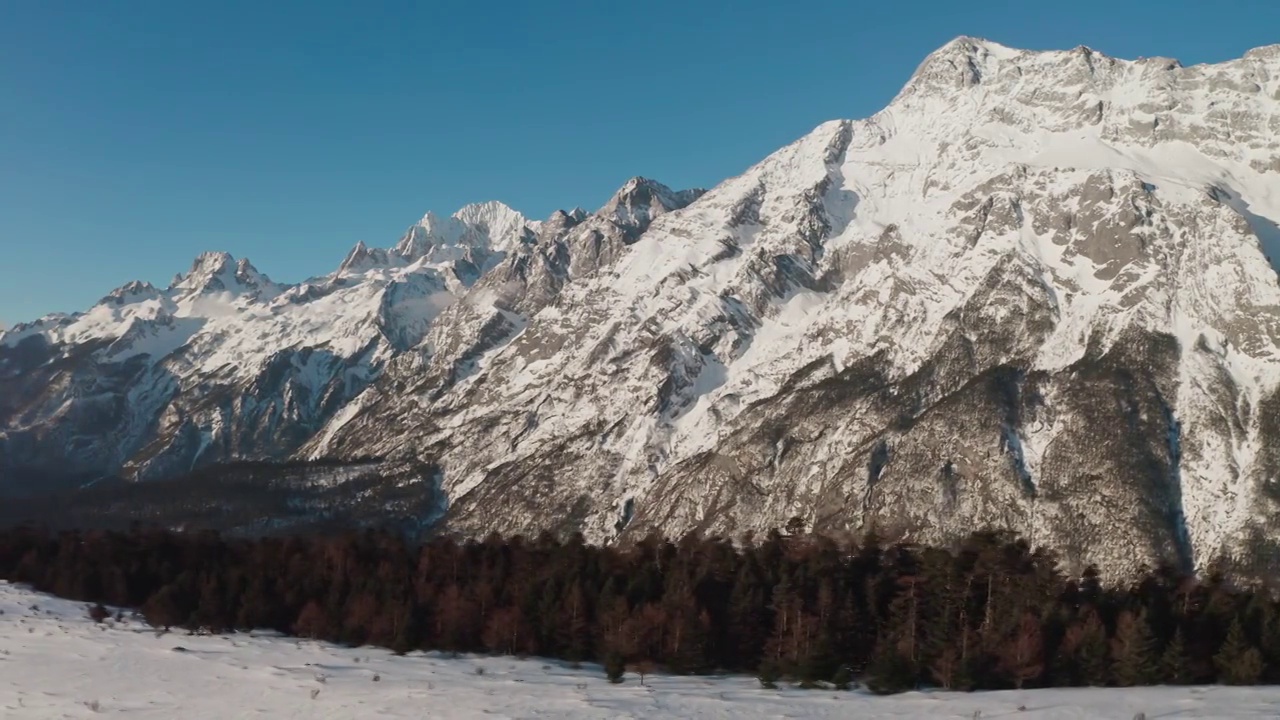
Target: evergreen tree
point(843, 679)
point(1082, 657)
point(747, 625)
point(1175, 666)
point(768, 674)
point(787, 644)
point(1237, 661)
point(404, 628)
point(573, 625)
point(1133, 651)
point(1022, 657)
point(891, 670)
point(614, 667)
point(951, 669)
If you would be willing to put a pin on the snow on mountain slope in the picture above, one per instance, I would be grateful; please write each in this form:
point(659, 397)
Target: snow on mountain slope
point(1034, 292)
point(57, 664)
point(225, 362)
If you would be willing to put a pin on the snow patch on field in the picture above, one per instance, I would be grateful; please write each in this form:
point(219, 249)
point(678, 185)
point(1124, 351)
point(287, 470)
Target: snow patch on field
point(56, 663)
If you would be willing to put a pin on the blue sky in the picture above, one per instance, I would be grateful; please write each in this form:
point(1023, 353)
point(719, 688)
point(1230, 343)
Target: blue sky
point(134, 135)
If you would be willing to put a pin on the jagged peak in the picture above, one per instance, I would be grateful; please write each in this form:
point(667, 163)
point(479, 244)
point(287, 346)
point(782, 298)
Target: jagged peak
point(641, 186)
point(211, 261)
point(430, 219)
point(644, 190)
point(563, 217)
point(134, 287)
point(640, 201)
point(972, 44)
point(961, 62)
point(355, 257)
point(560, 222)
point(248, 274)
point(362, 257)
point(967, 61)
point(205, 265)
point(472, 214)
point(638, 182)
point(220, 270)
point(486, 210)
point(129, 291)
point(490, 224)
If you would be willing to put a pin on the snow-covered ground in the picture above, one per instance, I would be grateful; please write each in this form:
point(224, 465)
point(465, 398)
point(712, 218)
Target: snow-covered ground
point(56, 663)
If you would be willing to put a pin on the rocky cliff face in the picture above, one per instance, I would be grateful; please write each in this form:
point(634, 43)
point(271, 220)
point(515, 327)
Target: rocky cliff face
point(1032, 293)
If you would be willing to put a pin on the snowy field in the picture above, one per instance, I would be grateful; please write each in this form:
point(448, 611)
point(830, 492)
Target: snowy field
point(56, 663)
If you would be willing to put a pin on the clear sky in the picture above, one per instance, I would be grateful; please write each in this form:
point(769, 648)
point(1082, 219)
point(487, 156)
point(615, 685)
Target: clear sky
point(136, 134)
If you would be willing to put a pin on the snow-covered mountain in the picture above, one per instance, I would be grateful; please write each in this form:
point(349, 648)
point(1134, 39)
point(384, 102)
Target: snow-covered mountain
point(1034, 292)
point(225, 363)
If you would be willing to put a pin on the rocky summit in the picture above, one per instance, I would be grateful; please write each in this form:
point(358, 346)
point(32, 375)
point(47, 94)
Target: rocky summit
point(1037, 292)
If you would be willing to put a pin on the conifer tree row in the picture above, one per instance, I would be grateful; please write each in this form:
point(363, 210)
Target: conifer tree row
point(988, 613)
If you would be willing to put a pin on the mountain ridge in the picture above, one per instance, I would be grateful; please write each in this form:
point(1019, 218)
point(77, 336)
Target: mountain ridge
point(921, 320)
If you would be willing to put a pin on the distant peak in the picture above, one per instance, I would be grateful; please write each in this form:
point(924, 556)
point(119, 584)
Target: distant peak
point(134, 287)
point(219, 271)
point(645, 189)
point(356, 258)
point(575, 214)
point(491, 212)
point(965, 43)
point(130, 291)
point(486, 207)
point(362, 257)
point(211, 261)
point(960, 63)
point(638, 182)
point(562, 220)
point(471, 214)
point(971, 45)
point(205, 270)
point(489, 225)
point(640, 201)
point(249, 275)
point(431, 219)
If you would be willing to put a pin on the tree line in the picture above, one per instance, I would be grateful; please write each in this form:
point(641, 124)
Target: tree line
point(988, 613)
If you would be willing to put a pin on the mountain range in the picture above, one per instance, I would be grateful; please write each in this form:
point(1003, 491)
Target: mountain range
point(1037, 292)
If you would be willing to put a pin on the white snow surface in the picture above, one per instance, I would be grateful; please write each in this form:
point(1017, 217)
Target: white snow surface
point(57, 663)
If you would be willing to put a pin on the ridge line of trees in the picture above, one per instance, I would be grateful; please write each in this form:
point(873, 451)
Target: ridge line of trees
point(988, 613)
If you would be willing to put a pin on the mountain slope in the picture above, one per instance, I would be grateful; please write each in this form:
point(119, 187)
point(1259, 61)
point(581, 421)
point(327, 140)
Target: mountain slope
point(224, 362)
point(1033, 292)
